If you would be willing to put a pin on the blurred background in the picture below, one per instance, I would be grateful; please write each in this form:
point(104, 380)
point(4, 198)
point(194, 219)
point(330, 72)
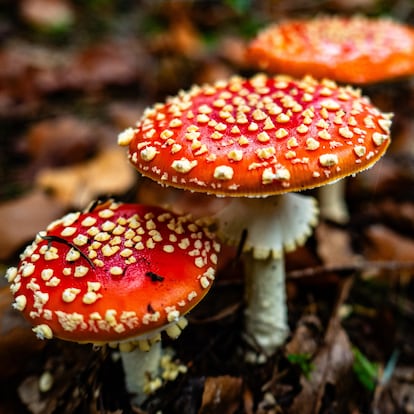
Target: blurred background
point(73, 74)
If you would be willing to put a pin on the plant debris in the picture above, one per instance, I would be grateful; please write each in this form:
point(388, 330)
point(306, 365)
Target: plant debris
point(72, 76)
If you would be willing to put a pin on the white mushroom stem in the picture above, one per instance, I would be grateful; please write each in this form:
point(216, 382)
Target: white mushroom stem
point(266, 314)
point(142, 368)
point(272, 225)
point(144, 362)
point(332, 203)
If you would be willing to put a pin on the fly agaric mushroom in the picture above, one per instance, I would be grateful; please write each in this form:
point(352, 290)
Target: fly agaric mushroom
point(352, 49)
point(118, 274)
point(260, 137)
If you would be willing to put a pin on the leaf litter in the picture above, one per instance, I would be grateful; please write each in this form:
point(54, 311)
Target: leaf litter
point(64, 95)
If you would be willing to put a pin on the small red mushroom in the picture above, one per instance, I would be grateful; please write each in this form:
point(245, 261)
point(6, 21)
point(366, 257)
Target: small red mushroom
point(115, 274)
point(254, 140)
point(354, 49)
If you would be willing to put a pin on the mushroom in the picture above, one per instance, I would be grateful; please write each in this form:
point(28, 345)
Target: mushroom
point(253, 140)
point(350, 49)
point(354, 49)
point(117, 274)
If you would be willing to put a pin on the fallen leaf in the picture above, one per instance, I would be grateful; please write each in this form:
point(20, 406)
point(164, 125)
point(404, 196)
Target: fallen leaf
point(18, 93)
point(22, 218)
point(306, 338)
point(109, 62)
point(221, 395)
point(386, 244)
point(334, 245)
point(398, 213)
point(60, 141)
point(331, 366)
point(108, 173)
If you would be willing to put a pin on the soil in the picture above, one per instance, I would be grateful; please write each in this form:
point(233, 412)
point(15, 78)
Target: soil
point(73, 75)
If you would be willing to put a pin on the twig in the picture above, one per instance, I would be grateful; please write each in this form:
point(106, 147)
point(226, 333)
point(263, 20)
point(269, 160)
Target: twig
point(58, 239)
point(346, 270)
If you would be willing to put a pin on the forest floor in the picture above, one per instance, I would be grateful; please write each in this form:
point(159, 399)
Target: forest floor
point(73, 74)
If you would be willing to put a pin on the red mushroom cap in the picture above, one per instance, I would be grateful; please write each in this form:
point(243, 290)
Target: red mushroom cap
point(349, 49)
point(117, 272)
point(259, 136)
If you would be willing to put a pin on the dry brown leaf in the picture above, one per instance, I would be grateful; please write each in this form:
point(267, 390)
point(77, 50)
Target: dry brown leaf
point(109, 62)
point(400, 213)
point(61, 141)
point(107, 174)
point(18, 94)
point(307, 336)
point(106, 63)
point(221, 395)
point(22, 218)
point(334, 246)
point(386, 244)
point(332, 365)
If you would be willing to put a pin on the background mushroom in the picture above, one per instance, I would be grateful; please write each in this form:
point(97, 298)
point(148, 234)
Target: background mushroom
point(260, 137)
point(117, 274)
point(352, 49)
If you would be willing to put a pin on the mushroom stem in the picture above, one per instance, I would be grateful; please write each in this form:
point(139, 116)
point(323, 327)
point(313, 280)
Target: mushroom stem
point(142, 368)
point(332, 202)
point(272, 226)
point(266, 314)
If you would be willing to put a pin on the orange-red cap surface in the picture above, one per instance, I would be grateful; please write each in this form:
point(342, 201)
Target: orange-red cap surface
point(348, 49)
point(114, 273)
point(259, 136)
